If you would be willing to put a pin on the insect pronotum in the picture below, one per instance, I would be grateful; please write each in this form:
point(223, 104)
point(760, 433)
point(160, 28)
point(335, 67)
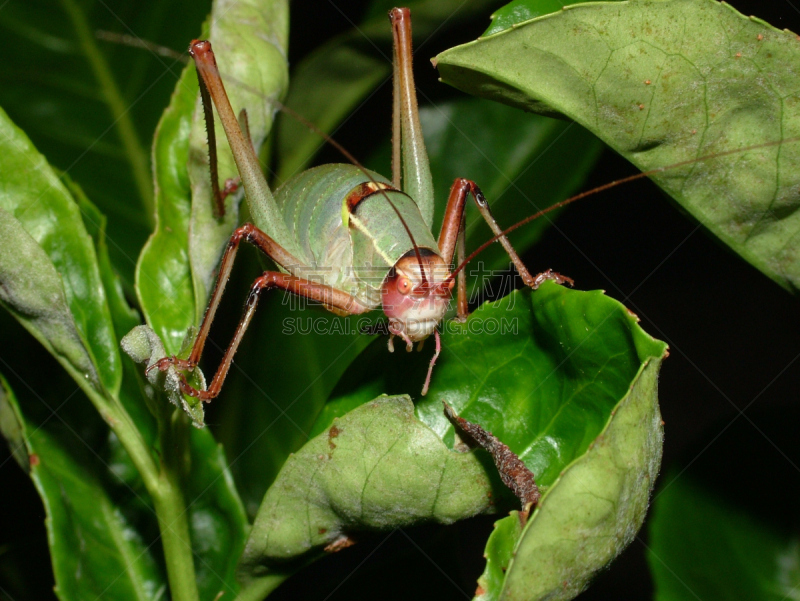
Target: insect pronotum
point(367, 242)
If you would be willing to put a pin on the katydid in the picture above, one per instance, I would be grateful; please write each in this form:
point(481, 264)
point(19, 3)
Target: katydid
point(346, 237)
point(352, 240)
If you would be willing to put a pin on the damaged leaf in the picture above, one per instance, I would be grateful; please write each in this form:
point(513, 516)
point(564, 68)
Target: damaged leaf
point(376, 468)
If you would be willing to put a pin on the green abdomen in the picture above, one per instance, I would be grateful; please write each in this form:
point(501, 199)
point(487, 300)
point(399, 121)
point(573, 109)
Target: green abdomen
point(357, 256)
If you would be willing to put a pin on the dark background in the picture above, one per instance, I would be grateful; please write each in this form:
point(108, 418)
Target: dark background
point(728, 392)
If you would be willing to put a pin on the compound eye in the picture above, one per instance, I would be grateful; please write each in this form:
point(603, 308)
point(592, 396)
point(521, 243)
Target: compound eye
point(403, 285)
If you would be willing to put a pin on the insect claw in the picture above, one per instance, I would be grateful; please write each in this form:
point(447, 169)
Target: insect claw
point(162, 365)
point(551, 275)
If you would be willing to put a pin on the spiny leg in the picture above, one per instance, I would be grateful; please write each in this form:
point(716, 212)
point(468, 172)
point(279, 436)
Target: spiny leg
point(452, 234)
point(269, 247)
point(321, 293)
point(249, 233)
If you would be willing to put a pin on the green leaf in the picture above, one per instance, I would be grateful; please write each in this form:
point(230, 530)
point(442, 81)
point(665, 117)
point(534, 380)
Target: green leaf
point(123, 316)
point(594, 509)
point(163, 275)
point(96, 549)
point(33, 294)
point(376, 468)
point(333, 80)
point(662, 83)
point(703, 546)
point(567, 380)
point(50, 275)
point(217, 519)
point(499, 553)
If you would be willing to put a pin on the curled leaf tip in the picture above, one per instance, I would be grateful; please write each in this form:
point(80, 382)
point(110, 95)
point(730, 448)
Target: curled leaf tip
point(512, 471)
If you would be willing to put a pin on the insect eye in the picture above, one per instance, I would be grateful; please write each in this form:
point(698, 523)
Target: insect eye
point(403, 285)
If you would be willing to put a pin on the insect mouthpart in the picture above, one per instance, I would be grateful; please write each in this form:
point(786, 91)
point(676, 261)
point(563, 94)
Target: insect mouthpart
point(416, 295)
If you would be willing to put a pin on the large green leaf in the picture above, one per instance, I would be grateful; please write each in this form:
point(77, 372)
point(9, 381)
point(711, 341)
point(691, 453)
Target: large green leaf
point(376, 468)
point(594, 509)
point(50, 276)
point(662, 82)
point(97, 548)
point(163, 276)
point(567, 380)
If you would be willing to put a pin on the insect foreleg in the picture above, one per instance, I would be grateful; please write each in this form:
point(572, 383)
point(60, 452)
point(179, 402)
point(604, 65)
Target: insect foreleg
point(325, 294)
point(273, 279)
point(452, 233)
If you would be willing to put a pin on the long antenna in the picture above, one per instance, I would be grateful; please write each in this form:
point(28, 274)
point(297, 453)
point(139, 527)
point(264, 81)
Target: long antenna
point(608, 186)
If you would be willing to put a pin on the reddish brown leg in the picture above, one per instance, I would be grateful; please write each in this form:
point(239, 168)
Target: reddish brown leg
point(271, 279)
point(453, 231)
point(461, 278)
point(320, 292)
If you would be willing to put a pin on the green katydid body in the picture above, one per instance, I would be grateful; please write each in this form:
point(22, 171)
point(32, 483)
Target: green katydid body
point(346, 230)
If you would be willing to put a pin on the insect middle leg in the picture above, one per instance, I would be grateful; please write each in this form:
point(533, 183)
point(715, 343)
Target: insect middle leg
point(327, 295)
point(451, 239)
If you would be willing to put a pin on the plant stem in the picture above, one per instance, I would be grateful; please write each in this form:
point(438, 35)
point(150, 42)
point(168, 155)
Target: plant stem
point(260, 588)
point(164, 484)
point(171, 512)
point(137, 156)
point(171, 506)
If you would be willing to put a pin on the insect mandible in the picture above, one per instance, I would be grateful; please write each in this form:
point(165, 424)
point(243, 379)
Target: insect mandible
point(347, 237)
